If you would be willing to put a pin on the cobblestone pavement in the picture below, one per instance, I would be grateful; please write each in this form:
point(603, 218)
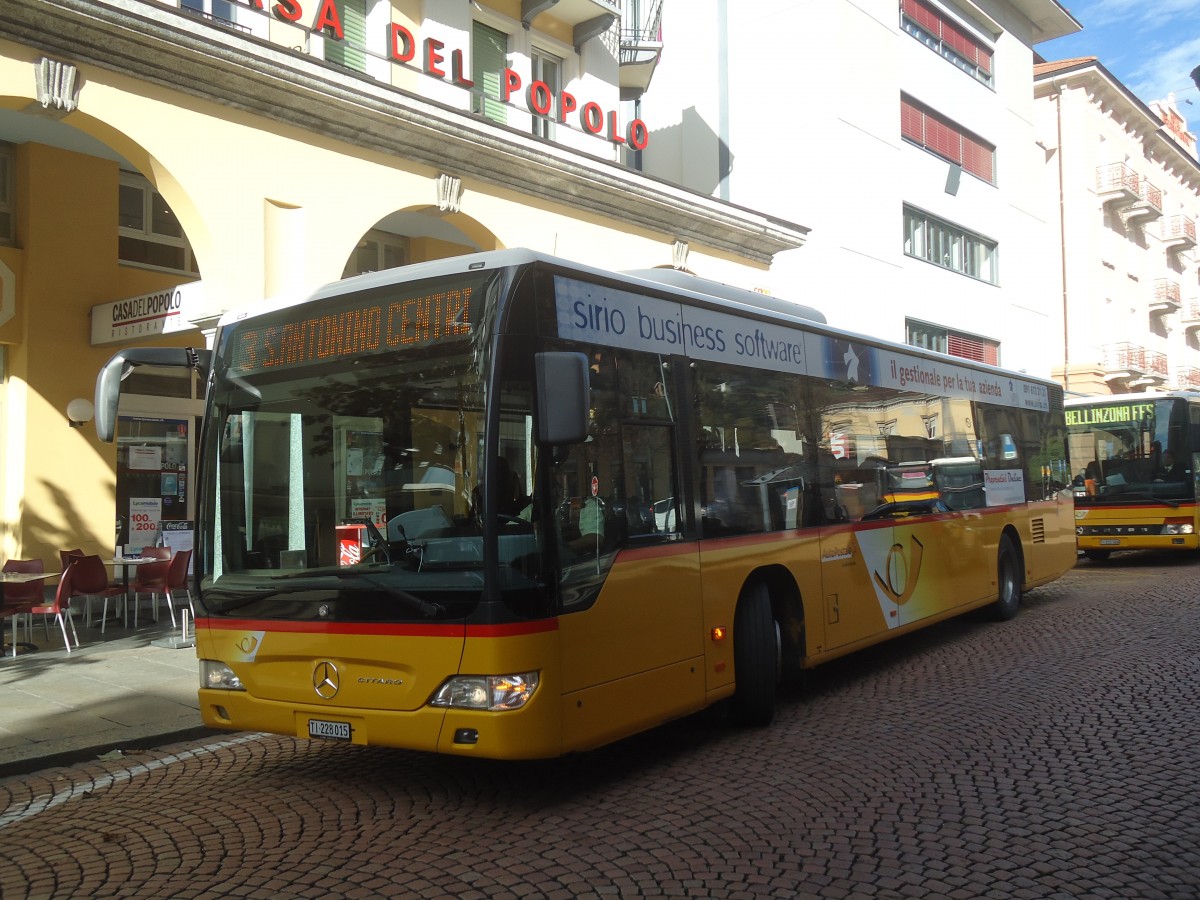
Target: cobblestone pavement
point(1056, 755)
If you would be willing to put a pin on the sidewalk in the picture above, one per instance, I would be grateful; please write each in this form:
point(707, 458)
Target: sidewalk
point(117, 692)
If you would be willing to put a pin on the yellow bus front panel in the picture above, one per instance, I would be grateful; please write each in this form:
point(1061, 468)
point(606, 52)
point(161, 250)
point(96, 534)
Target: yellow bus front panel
point(359, 685)
point(1103, 529)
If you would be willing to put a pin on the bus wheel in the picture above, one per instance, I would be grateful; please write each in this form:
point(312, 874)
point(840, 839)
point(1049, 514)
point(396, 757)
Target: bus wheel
point(1098, 555)
point(1008, 571)
point(756, 658)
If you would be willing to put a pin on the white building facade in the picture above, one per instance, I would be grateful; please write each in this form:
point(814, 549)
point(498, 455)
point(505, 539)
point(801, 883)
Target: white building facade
point(1126, 178)
point(901, 133)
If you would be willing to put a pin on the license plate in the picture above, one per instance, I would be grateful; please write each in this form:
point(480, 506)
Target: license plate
point(330, 731)
point(1110, 542)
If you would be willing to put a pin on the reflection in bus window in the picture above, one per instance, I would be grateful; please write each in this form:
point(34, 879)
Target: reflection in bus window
point(620, 484)
point(752, 467)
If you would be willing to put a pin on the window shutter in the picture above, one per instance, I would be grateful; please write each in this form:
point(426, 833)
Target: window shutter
point(489, 57)
point(954, 38)
point(946, 139)
point(911, 121)
point(972, 348)
point(349, 51)
point(925, 17)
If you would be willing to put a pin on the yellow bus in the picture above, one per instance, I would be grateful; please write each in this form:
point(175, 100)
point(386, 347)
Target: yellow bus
point(507, 506)
point(1134, 458)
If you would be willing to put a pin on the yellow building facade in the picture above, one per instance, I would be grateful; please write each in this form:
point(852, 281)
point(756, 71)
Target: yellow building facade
point(164, 162)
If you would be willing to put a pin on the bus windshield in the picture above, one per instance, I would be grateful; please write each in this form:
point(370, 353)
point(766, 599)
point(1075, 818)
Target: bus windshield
point(348, 439)
point(1129, 451)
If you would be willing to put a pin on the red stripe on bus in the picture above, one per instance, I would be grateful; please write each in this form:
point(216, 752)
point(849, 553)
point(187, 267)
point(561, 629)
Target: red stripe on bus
point(405, 629)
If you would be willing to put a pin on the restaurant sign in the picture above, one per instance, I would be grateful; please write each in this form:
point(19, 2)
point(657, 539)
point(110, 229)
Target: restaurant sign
point(162, 312)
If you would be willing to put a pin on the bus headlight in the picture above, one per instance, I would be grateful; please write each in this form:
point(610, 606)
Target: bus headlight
point(218, 676)
point(1181, 525)
point(492, 692)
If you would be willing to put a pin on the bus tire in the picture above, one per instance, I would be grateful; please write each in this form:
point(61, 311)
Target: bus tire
point(1008, 579)
point(755, 658)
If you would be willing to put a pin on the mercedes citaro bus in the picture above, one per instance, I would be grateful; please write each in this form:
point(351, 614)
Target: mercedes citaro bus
point(1134, 459)
point(507, 506)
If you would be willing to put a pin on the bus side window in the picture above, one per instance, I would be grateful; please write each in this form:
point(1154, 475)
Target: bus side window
point(650, 501)
point(752, 471)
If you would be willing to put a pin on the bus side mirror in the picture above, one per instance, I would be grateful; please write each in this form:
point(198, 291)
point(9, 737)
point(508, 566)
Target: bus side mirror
point(108, 382)
point(564, 397)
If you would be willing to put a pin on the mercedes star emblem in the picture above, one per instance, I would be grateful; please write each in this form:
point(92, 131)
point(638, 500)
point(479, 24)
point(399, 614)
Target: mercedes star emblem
point(325, 680)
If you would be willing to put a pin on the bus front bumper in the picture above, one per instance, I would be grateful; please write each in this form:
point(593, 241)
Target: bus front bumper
point(527, 733)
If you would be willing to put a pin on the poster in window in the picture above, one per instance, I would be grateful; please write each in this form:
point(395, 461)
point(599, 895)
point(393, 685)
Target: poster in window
point(145, 519)
point(145, 458)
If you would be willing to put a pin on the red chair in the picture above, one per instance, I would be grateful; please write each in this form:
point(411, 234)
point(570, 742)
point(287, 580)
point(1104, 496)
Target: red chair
point(151, 579)
point(65, 558)
point(60, 608)
point(177, 576)
point(89, 578)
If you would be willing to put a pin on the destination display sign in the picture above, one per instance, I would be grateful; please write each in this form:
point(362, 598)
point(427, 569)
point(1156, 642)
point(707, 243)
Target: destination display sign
point(1119, 414)
point(326, 332)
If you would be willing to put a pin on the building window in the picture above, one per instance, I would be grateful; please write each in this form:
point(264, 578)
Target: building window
point(548, 70)
point(948, 246)
point(925, 128)
point(489, 59)
point(953, 343)
point(8, 221)
point(350, 51)
point(219, 11)
point(148, 234)
point(948, 39)
point(378, 250)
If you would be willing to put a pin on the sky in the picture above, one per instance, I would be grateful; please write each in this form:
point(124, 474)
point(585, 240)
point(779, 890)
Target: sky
point(1150, 46)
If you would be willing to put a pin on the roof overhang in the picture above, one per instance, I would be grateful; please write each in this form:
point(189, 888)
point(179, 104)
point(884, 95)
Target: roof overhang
point(1050, 20)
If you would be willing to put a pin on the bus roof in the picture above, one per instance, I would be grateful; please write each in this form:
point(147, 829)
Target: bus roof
point(700, 288)
point(677, 283)
point(1145, 397)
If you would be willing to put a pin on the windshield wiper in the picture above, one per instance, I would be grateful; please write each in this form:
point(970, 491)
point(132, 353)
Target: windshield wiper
point(427, 608)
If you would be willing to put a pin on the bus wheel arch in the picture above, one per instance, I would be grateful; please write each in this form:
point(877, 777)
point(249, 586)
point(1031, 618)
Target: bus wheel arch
point(1010, 576)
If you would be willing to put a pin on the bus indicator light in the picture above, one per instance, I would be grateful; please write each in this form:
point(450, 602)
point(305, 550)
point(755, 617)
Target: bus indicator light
point(718, 633)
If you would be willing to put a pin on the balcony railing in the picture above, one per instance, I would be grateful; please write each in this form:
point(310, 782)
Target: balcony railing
point(1190, 316)
point(641, 47)
point(1166, 297)
point(1117, 181)
point(1125, 357)
point(1150, 195)
point(216, 20)
point(1187, 377)
point(1146, 208)
point(1156, 364)
point(1178, 233)
point(1129, 367)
